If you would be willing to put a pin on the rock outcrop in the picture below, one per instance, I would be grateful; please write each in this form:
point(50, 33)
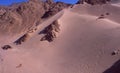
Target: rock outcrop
point(19, 17)
point(93, 2)
point(6, 47)
point(115, 68)
point(22, 39)
point(50, 32)
point(53, 8)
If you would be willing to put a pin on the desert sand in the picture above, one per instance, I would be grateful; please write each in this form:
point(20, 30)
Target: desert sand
point(84, 44)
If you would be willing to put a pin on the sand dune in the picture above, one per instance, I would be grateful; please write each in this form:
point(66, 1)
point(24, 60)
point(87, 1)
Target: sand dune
point(84, 44)
point(116, 4)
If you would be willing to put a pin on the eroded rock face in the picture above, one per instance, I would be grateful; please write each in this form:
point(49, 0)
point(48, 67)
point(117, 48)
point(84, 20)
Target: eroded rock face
point(49, 1)
point(53, 8)
point(50, 32)
point(22, 39)
point(18, 18)
point(6, 47)
point(115, 68)
point(93, 2)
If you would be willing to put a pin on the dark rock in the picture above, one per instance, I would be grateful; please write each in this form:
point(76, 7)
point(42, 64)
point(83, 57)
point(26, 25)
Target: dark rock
point(2, 11)
point(49, 1)
point(6, 47)
point(18, 66)
point(49, 37)
point(93, 2)
point(22, 39)
point(54, 8)
point(107, 13)
point(115, 52)
point(102, 16)
point(115, 68)
point(19, 17)
point(48, 14)
point(50, 31)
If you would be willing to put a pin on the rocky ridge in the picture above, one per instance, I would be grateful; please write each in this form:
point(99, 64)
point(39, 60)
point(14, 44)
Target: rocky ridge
point(21, 17)
point(93, 2)
point(50, 32)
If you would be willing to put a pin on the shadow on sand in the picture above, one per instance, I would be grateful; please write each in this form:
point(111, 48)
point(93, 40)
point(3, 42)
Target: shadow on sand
point(115, 68)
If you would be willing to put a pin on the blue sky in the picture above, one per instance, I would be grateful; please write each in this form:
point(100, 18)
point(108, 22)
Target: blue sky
point(68, 1)
point(8, 2)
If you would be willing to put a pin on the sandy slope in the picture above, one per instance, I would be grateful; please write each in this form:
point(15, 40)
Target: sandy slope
point(84, 45)
point(117, 4)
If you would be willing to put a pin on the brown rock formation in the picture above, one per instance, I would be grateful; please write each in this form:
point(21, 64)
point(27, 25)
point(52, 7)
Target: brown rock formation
point(19, 17)
point(6, 47)
point(115, 68)
point(22, 39)
point(53, 8)
point(50, 1)
point(50, 31)
point(93, 2)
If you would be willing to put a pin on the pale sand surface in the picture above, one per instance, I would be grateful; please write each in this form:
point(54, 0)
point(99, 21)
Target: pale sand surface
point(116, 4)
point(84, 45)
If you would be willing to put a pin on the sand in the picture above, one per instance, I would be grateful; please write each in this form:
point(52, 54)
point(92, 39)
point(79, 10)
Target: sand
point(84, 44)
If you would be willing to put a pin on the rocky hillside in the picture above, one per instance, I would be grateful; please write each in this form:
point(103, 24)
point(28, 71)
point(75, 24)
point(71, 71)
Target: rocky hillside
point(93, 2)
point(21, 17)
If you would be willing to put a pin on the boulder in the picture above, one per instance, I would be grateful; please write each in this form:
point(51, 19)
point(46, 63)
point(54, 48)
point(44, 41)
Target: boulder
point(6, 47)
point(50, 32)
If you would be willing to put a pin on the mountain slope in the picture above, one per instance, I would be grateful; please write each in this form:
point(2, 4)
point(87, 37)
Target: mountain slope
point(85, 44)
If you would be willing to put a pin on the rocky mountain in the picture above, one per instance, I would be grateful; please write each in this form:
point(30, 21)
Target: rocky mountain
point(93, 2)
point(55, 37)
point(21, 17)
